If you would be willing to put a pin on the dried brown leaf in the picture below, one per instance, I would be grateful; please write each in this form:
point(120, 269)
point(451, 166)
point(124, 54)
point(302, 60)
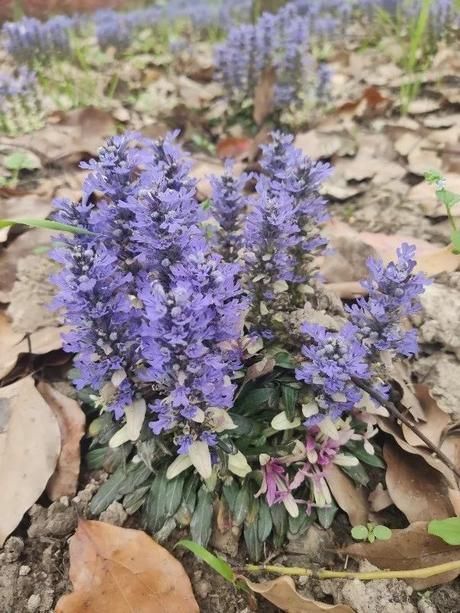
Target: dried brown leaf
point(379, 499)
point(435, 419)
point(441, 260)
point(71, 421)
point(318, 144)
point(74, 134)
point(422, 106)
point(409, 549)
point(418, 490)
point(282, 593)
point(351, 498)
point(122, 571)
point(30, 443)
point(234, 147)
point(451, 450)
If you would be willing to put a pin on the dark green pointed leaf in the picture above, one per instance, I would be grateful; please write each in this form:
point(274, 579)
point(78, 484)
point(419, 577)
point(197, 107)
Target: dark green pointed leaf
point(242, 505)
point(284, 360)
point(116, 458)
point(326, 515)
point(174, 494)
point(230, 491)
point(108, 492)
point(280, 524)
point(201, 524)
point(136, 475)
point(251, 537)
point(166, 530)
point(95, 458)
point(154, 512)
point(300, 524)
point(358, 451)
point(253, 400)
point(264, 521)
point(357, 473)
point(44, 223)
point(245, 426)
point(133, 502)
point(289, 396)
point(217, 564)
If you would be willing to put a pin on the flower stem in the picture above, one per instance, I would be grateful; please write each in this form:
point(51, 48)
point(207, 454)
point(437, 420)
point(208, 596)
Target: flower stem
point(417, 573)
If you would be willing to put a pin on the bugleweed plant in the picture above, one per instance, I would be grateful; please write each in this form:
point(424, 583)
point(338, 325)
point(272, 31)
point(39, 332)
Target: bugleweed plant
point(220, 376)
point(20, 108)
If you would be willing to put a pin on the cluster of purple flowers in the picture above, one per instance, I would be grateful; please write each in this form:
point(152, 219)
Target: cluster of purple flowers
point(19, 105)
point(374, 326)
point(229, 205)
point(393, 293)
point(278, 42)
point(113, 30)
point(282, 230)
point(154, 313)
point(30, 39)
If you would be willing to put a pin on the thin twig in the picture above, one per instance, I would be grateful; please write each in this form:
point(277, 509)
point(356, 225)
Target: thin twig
point(391, 408)
point(417, 573)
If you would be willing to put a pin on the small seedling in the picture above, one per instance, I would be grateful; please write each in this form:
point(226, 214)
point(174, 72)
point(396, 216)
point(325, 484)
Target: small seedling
point(14, 163)
point(449, 200)
point(371, 532)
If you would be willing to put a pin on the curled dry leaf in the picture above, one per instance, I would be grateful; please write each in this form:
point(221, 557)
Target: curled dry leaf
point(435, 419)
point(71, 421)
point(350, 498)
point(30, 443)
point(451, 447)
point(283, 594)
point(409, 549)
point(418, 490)
point(122, 571)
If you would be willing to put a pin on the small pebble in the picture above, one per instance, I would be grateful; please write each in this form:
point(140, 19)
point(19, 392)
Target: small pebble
point(33, 603)
point(24, 570)
point(202, 588)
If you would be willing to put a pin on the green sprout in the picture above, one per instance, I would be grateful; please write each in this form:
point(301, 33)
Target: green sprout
point(371, 532)
point(449, 200)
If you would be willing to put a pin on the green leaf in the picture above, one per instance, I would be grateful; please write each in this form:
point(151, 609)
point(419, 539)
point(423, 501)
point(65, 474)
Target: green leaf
point(446, 529)
point(360, 533)
point(382, 533)
point(190, 491)
point(300, 524)
point(108, 492)
point(242, 505)
point(455, 239)
point(264, 521)
point(357, 473)
point(326, 515)
point(135, 476)
point(21, 160)
point(133, 502)
point(116, 458)
point(280, 520)
point(254, 399)
point(448, 199)
point(44, 223)
point(358, 450)
point(200, 526)
point(154, 512)
point(251, 533)
point(95, 458)
point(230, 492)
point(289, 397)
point(174, 494)
point(220, 566)
point(284, 360)
point(245, 426)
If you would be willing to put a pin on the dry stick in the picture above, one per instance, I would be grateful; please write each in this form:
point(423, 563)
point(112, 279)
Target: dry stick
point(417, 573)
point(405, 420)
